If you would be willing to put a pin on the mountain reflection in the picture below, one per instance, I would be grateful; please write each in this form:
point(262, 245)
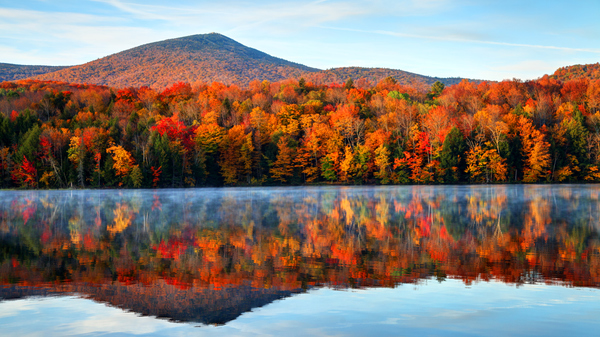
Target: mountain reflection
point(209, 255)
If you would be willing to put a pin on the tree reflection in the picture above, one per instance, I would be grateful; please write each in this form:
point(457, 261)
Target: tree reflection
point(284, 240)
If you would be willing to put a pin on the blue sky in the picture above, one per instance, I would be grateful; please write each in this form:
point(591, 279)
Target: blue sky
point(449, 308)
point(481, 39)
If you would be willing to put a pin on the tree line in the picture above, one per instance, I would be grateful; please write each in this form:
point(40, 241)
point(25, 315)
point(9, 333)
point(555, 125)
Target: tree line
point(59, 135)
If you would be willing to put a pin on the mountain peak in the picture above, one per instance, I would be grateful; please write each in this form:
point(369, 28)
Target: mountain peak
point(201, 57)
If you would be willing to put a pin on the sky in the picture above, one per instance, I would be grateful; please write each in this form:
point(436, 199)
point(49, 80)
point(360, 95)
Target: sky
point(448, 308)
point(479, 39)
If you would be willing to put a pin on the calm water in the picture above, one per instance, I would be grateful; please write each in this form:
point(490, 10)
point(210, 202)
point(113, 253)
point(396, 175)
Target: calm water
point(463, 260)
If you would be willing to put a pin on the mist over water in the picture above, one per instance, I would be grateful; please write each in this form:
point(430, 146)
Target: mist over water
point(233, 256)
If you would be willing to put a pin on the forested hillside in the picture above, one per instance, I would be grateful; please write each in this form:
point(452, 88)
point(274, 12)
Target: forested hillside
point(202, 58)
point(578, 71)
point(296, 132)
point(206, 58)
point(368, 77)
point(12, 72)
point(196, 58)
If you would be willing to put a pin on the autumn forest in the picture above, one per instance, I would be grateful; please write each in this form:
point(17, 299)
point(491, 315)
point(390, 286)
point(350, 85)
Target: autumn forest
point(295, 132)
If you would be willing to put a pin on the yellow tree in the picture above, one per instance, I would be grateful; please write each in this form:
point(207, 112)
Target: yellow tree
point(282, 167)
point(209, 137)
point(123, 161)
point(76, 154)
point(536, 151)
point(496, 165)
point(490, 120)
point(346, 165)
point(288, 117)
point(382, 162)
point(485, 165)
point(236, 155)
point(262, 125)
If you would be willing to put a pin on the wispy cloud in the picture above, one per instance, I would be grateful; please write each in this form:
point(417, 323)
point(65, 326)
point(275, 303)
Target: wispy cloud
point(72, 38)
point(145, 12)
point(30, 17)
point(63, 38)
point(453, 38)
point(244, 13)
point(430, 4)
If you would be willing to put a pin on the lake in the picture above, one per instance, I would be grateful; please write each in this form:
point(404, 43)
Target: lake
point(352, 261)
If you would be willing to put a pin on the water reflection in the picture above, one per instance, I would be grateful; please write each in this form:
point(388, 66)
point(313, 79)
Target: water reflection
point(209, 255)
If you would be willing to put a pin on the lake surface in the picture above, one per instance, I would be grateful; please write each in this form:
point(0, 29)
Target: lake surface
point(414, 260)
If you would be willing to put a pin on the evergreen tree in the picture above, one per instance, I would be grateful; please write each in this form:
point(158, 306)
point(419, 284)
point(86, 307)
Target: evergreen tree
point(453, 148)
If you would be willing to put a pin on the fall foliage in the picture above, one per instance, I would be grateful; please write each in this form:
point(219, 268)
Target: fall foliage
point(57, 135)
point(12, 72)
point(202, 57)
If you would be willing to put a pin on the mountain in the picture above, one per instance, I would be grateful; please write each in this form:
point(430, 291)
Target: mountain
point(175, 303)
point(207, 58)
point(201, 58)
point(589, 71)
point(13, 72)
point(340, 75)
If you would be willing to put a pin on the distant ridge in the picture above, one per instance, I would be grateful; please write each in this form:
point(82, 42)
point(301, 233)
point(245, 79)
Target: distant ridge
point(339, 75)
point(13, 72)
